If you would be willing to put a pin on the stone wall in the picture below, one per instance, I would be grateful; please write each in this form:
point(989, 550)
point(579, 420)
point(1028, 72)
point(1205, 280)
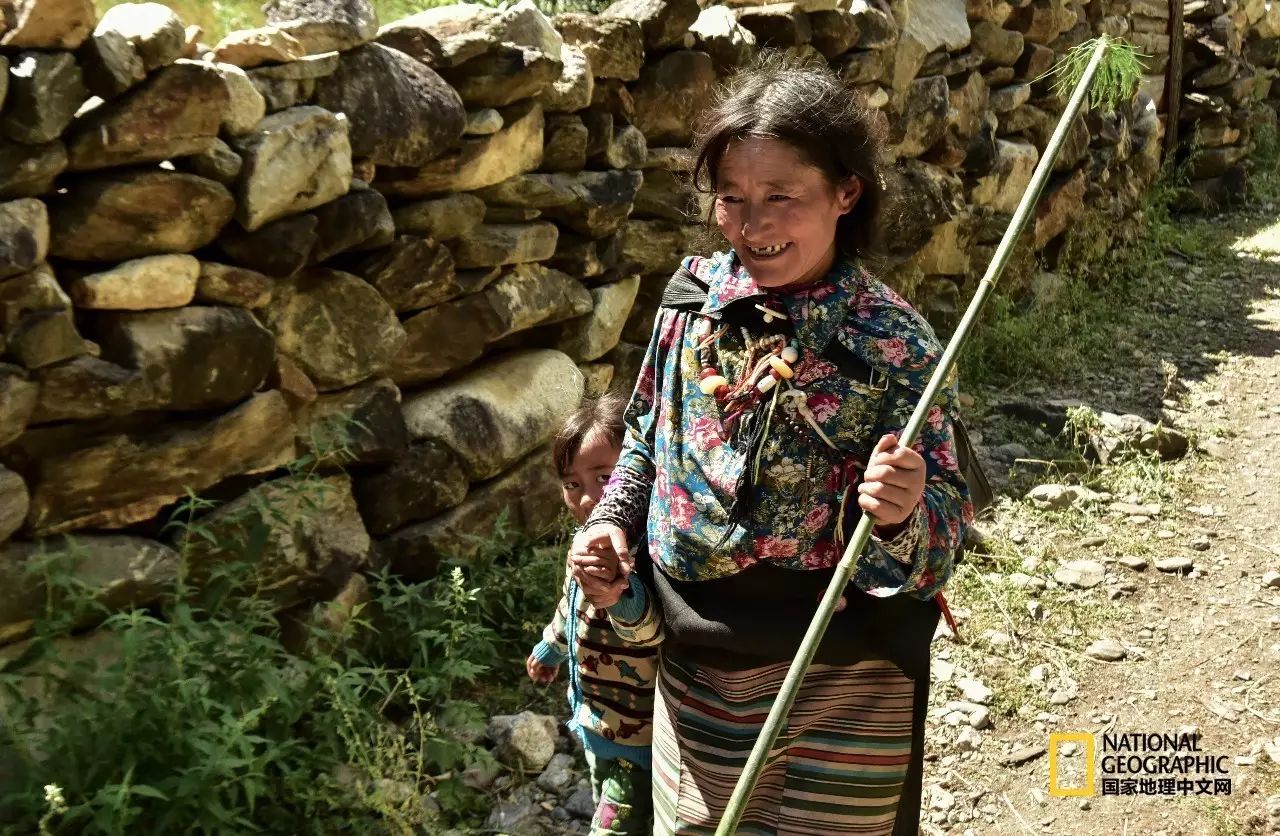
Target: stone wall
point(436, 233)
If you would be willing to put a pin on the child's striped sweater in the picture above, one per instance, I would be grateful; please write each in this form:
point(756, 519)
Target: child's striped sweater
point(615, 671)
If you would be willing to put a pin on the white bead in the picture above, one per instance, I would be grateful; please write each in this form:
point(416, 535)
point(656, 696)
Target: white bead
point(790, 355)
point(766, 383)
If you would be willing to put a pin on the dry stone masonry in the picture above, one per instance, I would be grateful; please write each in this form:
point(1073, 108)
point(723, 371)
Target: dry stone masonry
point(443, 229)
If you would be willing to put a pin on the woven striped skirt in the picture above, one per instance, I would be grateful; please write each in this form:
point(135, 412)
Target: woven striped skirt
point(839, 766)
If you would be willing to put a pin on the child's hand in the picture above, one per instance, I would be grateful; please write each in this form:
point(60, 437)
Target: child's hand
point(540, 674)
point(601, 563)
point(893, 484)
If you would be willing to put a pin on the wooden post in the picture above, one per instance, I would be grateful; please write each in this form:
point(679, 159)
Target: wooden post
point(1173, 80)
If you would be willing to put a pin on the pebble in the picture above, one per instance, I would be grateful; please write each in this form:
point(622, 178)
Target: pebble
point(1133, 509)
point(1177, 564)
point(1242, 675)
point(1200, 544)
point(1035, 609)
point(1024, 754)
point(1137, 564)
point(1081, 574)
point(980, 719)
point(974, 691)
point(940, 799)
point(942, 671)
point(1040, 797)
point(1271, 578)
point(1011, 452)
point(1039, 673)
point(1085, 804)
point(1093, 542)
point(581, 803)
point(997, 638)
point(1165, 534)
point(558, 775)
point(968, 740)
point(1108, 650)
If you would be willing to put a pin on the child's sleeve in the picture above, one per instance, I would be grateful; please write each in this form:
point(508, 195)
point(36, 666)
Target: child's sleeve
point(553, 650)
point(636, 617)
point(625, 502)
point(919, 559)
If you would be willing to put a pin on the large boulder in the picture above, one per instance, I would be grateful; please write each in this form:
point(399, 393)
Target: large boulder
point(18, 396)
point(999, 47)
point(938, 25)
point(1002, 189)
point(335, 326)
point(671, 94)
point(478, 162)
point(360, 425)
point(526, 499)
point(24, 236)
point(925, 197)
point(249, 48)
point(495, 245)
point(777, 25)
point(595, 334)
point(614, 46)
point(45, 91)
point(835, 31)
point(177, 112)
point(356, 222)
point(401, 112)
point(131, 40)
point(592, 203)
point(108, 217)
point(280, 248)
point(1060, 206)
point(142, 284)
point(86, 388)
point(425, 356)
point(412, 274)
point(14, 501)
point(117, 572)
point(665, 22)
point(530, 295)
point(81, 480)
point(443, 219)
point(565, 143)
point(37, 321)
point(924, 117)
point(498, 412)
point(324, 25)
point(445, 36)
point(193, 358)
point(572, 90)
point(718, 33)
point(45, 24)
point(240, 287)
point(427, 481)
point(245, 105)
point(301, 537)
point(293, 160)
point(30, 170)
point(655, 246)
point(504, 75)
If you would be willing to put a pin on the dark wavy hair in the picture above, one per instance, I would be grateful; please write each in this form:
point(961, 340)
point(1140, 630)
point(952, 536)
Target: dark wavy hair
point(603, 414)
point(802, 103)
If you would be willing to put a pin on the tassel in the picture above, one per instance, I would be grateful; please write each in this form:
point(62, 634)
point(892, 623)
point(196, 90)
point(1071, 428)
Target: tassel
point(757, 430)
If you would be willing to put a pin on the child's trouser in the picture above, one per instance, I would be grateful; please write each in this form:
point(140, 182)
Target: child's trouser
point(624, 802)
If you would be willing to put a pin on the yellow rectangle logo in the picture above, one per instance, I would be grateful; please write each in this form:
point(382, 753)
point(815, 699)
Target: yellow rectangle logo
point(1085, 739)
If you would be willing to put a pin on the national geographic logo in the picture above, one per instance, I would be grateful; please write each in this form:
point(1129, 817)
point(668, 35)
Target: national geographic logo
point(1139, 763)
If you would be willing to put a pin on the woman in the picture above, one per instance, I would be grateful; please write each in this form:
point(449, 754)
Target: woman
point(763, 424)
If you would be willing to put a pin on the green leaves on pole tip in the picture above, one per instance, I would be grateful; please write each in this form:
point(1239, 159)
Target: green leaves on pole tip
point(1118, 76)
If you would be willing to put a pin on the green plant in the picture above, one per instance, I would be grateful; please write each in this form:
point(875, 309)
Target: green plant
point(196, 716)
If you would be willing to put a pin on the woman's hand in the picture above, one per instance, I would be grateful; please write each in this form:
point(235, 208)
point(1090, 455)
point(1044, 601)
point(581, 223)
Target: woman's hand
point(601, 563)
point(540, 673)
point(893, 483)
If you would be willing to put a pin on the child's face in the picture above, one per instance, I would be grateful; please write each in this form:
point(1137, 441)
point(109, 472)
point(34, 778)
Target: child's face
point(779, 212)
point(588, 474)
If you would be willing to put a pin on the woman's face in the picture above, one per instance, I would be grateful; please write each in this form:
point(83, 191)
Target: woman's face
point(779, 212)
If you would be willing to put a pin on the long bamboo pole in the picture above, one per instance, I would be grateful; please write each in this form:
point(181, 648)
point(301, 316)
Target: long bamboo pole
point(791, 685)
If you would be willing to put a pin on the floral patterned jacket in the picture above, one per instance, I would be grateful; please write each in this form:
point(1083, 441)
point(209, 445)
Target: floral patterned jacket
point(677, 475)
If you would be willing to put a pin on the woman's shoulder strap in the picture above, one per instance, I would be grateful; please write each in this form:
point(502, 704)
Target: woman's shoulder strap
point(684, 291)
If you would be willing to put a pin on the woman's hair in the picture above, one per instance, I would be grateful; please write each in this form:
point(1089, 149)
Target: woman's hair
point(603, 414)
point(804, 104)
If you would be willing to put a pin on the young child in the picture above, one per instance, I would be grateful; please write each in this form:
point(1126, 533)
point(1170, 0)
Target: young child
point(765, 422)
point(614, 658)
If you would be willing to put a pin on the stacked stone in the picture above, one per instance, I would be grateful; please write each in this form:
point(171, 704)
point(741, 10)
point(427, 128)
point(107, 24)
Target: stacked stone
point(420, 242)
point(1230, 61)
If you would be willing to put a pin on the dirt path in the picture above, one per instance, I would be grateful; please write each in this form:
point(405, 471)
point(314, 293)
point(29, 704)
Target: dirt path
point(1201, 649)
